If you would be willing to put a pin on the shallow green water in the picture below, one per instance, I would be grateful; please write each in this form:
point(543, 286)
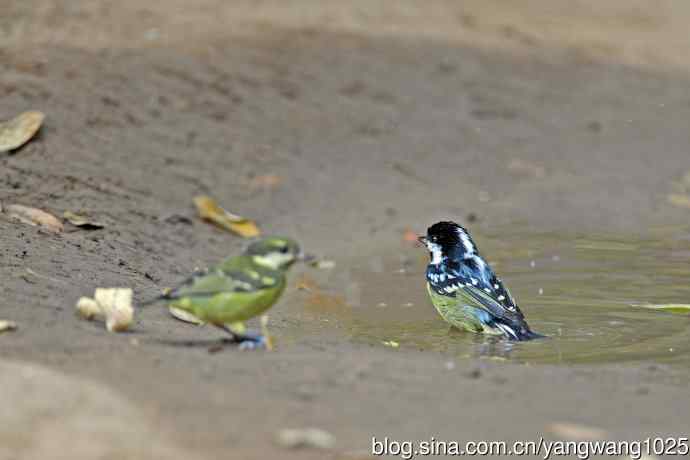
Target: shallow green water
point(578, 291)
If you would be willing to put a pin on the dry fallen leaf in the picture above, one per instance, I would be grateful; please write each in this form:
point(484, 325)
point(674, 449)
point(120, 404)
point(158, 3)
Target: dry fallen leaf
point(114, 305)
point(306, 437)
point(117, 306)
point(669, 307)
point(575, 432)
point(267, 181)
point(81, 221)
point(7, 325)
point(184, 316)
point(18, 131)
point(211, 211)
point(410, 237)
point(33, 216)
point(526, 168)
point(679, 199)
point(88, 308)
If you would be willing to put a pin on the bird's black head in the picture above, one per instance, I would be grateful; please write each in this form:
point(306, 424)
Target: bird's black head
point(448, 240)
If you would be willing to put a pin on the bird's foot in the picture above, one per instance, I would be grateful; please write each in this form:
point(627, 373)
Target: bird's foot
point(252, 342)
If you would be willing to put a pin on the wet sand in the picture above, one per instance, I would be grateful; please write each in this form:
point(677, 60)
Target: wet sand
point(373, 129)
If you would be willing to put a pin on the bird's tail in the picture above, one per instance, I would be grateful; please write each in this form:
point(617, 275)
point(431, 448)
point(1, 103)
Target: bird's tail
point(157, 299)
point(530, 335)
point(519, 334)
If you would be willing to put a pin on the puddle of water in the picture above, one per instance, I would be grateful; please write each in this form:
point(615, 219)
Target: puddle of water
point(579, 292)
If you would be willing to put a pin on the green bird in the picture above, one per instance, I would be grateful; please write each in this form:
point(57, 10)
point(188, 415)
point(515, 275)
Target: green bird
point(238, 289)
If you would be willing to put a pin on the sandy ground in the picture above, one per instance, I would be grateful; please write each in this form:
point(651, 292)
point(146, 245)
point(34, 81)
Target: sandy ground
point(557, 116)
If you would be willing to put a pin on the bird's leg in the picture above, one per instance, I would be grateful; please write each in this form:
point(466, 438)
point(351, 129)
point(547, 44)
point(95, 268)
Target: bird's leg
point(246, 340)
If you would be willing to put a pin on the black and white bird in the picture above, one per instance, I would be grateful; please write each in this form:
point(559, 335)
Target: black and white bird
point(464, 289)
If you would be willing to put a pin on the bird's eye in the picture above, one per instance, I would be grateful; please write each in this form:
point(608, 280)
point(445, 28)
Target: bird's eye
point(284, 250)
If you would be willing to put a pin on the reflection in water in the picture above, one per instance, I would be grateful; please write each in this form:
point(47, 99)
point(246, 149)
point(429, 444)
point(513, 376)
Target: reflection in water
point(579, 292)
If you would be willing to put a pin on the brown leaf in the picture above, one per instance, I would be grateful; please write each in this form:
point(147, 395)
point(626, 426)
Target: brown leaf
point(81, 221)
point(267, 181)
point(211, 211)
point(33, 216)
point(410, 237)
point(18, 131)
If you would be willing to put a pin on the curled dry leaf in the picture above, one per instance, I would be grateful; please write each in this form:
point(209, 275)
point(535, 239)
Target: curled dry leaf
point(575, 432)
point(81, 221)
point(18, 131)
point(88, 308)
point(113, 305)
point(6, 326)
point(306, 437)
point(669, 307)
point(117, 306)
point(211, 211)
point(184, 316)
point(33, 216)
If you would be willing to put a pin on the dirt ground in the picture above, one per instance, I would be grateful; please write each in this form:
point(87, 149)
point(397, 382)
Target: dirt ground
point(557, 116)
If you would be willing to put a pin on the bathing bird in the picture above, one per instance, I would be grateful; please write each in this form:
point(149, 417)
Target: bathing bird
point(464, 289)
point(237, 289)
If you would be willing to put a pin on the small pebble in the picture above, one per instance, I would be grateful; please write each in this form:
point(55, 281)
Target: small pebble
point(7, 325)
point(314, 438)
point(474, 373)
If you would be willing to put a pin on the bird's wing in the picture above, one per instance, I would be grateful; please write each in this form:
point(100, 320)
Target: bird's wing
point(486, 301)
point(486, 293)
point(215, 282)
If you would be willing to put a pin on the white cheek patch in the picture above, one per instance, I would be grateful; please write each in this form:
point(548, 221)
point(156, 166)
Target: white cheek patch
point(273, 260)
point(436, 253)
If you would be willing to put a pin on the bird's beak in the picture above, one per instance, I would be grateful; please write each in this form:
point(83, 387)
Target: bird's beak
point(422, 240)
